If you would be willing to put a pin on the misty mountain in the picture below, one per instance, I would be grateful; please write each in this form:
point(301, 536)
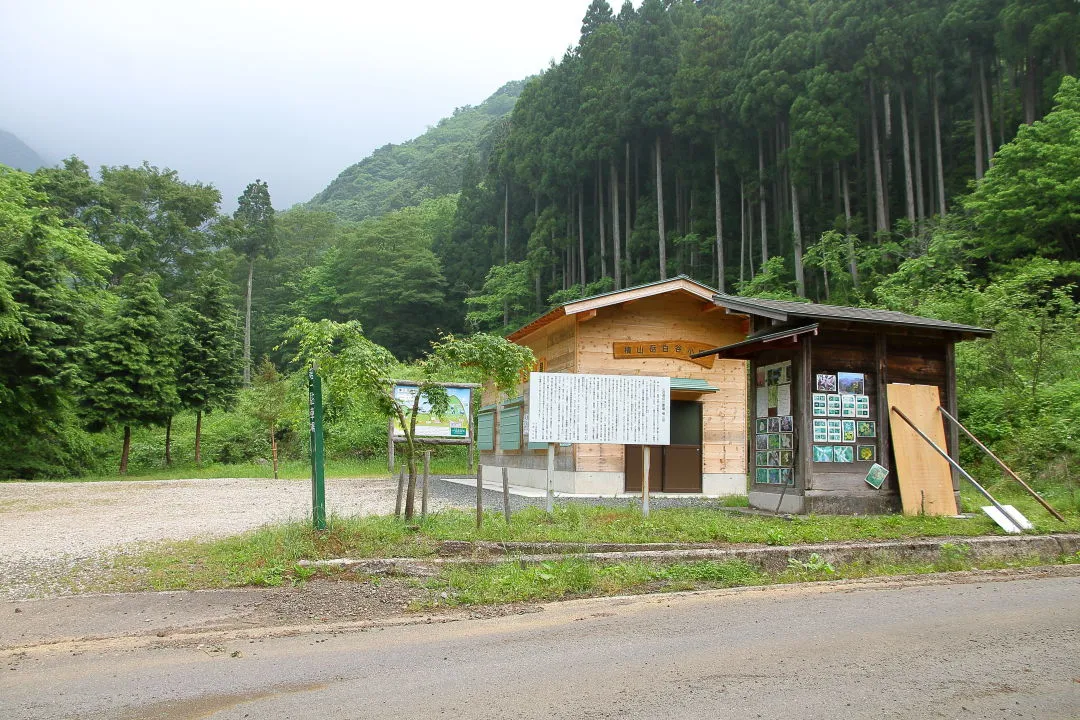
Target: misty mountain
point(17, 154)
point(398, 176)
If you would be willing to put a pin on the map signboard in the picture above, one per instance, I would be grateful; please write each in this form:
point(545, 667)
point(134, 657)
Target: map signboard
point(616, 409)
point(453, 424)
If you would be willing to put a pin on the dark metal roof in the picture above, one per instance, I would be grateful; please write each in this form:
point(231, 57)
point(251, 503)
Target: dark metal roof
point(759, 342)
point(785, 311)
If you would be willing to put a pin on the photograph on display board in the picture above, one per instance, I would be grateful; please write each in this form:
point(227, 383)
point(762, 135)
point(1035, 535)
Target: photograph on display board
point(759, 377)
point(835, 405)
point(774, 424)
point(849, 431)
point(761, 442)
point(866, 428)
point(786, 458)
point(867, 453)
point(762, 475)
point(836, 431)
point(862, 406)
point(785, 373)
point(762, 425)
point(850, 383)
point(774, 476)
point(787, 476)
point(761, 458)
point(823, 453)
point(787, 424)
point(787, 441)
point(774, 458)
point(821, 431)
point(820, 404)
point(774, 441)
point(825, 382)
point(774, 395)
point(847, 405)
point(876, 475)
point(843, 454)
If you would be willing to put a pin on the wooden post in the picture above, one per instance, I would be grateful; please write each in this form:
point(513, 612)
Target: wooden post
point(390, 449)
point(881, 368)
point(952, 436)
point(400, 492)
point(479, 497)
point(551, 477)
point(645, 480)
point(427, 483)
point(506, 493)
point(804, 418)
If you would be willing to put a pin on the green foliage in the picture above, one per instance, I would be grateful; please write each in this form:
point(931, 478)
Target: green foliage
point(255, 236)
point(427, 167)
point(208, 372)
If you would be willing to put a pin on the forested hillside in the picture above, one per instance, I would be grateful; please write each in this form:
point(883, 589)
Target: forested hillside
point(922, 156)
point(426, 167)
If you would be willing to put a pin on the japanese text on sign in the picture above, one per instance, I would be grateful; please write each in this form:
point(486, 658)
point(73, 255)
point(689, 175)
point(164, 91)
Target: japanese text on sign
point(616, 409)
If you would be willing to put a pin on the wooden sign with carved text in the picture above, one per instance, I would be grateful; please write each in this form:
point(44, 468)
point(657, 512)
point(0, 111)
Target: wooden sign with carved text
point(674, 349)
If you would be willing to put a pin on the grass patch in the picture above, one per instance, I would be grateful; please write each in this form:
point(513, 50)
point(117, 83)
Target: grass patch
point(287, 470)
point(269, 556)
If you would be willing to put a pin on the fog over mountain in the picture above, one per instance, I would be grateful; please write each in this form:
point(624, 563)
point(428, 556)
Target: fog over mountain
point(226, 92)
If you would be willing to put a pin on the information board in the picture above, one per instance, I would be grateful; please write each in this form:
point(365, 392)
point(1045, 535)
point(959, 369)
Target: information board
point(453, 424)
point(616, 409)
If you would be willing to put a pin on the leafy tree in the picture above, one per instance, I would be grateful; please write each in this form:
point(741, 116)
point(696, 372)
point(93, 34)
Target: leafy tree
point(49, 275)
point(267, 401)
point(1029, 200)
point(254, 238)
point(130, 366)
point(354, 365)
point(208, 364)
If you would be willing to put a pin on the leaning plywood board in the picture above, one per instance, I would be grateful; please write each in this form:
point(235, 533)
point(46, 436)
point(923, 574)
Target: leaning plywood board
point(924, 476)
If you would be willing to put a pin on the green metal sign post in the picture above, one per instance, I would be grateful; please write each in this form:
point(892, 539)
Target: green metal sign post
point(318, 481)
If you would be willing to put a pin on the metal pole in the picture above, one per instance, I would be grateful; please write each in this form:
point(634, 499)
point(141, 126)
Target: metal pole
point(506, 493)
point(961, 470)
point(551, 477)
point(318, 480)
point(645, 480)
point(1002, 465)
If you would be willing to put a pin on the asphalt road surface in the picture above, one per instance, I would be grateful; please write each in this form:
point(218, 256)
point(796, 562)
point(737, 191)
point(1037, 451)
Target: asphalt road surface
point(1000, 649)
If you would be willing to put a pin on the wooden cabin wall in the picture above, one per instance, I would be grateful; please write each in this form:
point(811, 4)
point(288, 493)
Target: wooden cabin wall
point(672, 317)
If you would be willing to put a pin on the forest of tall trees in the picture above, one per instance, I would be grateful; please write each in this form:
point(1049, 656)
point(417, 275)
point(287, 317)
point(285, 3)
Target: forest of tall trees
point(922, 156)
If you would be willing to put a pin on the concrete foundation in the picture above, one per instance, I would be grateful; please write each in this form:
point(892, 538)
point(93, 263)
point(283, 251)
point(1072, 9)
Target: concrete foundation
point(609, 484)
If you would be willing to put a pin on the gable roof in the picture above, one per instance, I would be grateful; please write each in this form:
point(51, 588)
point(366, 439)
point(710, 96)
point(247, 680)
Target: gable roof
point(787, 311)
point(681, 284)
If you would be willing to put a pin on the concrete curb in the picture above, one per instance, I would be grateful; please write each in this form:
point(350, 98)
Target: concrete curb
point(768, 558)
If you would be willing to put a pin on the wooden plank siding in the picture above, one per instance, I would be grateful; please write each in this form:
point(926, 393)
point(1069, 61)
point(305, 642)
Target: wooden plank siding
point(672, 316)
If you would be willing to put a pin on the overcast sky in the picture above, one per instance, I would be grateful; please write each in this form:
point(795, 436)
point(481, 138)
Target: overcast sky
point(291, 92)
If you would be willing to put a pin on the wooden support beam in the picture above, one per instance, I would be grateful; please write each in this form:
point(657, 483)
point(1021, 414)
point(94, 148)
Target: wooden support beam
point(586, 316)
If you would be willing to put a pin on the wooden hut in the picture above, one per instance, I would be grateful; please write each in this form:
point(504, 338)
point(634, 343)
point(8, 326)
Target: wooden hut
point(819, 417)
point(652, 329)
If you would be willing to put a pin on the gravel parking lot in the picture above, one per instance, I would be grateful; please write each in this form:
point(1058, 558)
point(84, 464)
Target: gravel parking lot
point(47, 527)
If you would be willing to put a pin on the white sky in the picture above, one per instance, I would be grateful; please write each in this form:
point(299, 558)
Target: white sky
point(227, 91)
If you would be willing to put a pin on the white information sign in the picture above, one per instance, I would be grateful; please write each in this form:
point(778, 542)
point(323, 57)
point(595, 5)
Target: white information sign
point(616, 409)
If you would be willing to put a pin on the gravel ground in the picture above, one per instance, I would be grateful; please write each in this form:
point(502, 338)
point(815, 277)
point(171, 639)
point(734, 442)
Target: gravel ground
point(47, 528)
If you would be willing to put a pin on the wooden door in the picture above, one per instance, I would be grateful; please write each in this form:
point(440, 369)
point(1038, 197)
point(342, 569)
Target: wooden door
point(676, 467)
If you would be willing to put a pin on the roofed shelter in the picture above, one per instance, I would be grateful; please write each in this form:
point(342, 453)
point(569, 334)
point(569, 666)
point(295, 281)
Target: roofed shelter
point(652, 329)
point(819, 415)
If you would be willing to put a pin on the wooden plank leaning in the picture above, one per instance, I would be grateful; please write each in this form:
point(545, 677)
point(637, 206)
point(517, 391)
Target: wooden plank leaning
point(980, 488)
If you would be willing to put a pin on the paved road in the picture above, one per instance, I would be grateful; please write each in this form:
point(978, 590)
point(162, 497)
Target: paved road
point(976, 650)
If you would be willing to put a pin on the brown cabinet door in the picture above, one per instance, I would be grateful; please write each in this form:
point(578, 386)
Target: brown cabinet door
point(632, 468)
point(682, 468)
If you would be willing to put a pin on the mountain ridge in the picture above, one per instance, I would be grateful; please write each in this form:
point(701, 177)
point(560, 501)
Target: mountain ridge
point(427, 166)
point(17, 154)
